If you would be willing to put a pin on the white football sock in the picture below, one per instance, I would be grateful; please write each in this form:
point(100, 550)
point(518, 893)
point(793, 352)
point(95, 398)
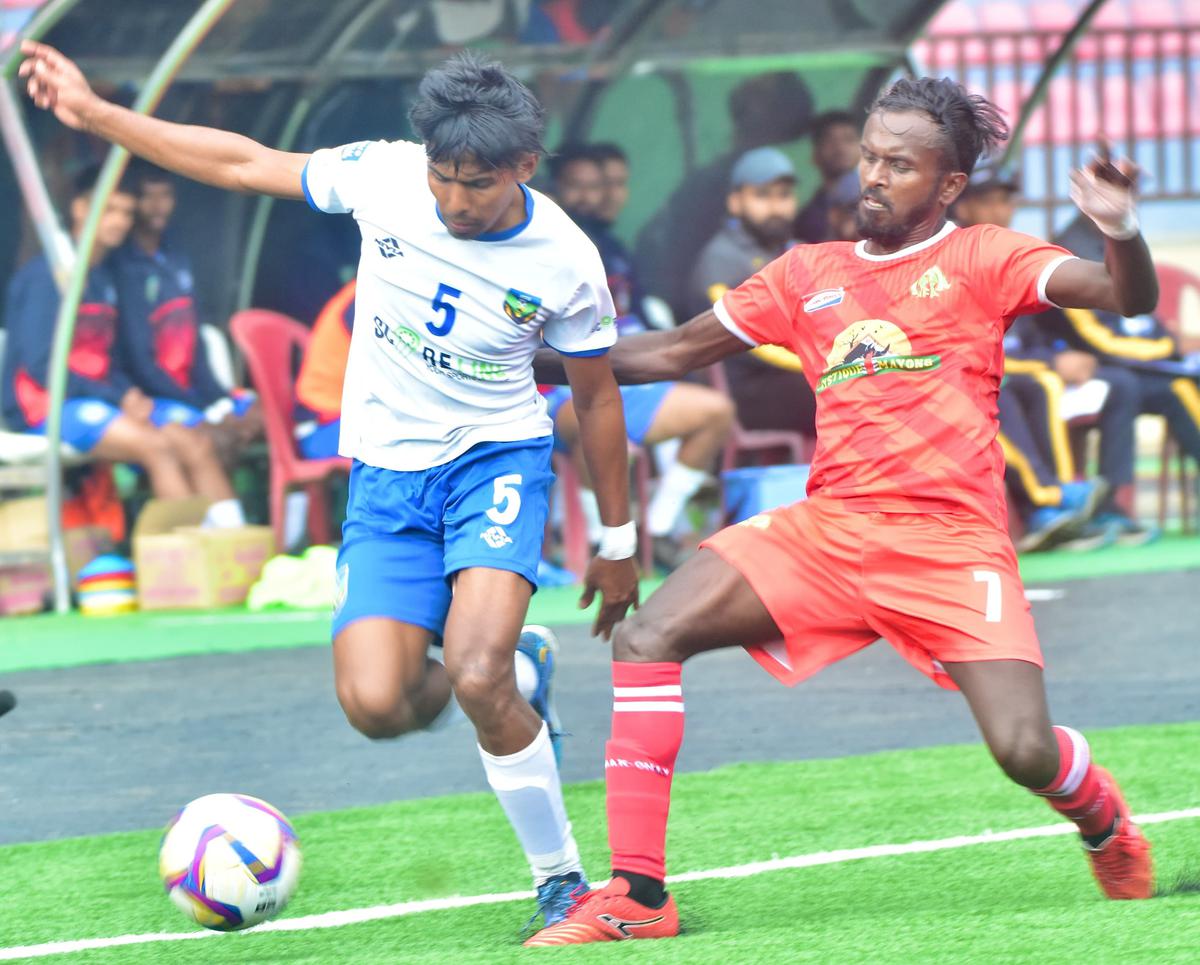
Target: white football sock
point(224, 514)
point(295, 519)
point(591, 514)
point(677, 485)
point(527, 786)
point(527, 675)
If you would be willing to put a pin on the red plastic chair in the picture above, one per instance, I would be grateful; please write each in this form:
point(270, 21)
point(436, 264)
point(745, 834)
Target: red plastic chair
point(743, 441)
point(1172, 283)
point(270, 342)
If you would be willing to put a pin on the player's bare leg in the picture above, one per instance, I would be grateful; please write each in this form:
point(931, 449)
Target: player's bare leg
point(515, 744)
point(704, 605)
point(128, 440)
point(386, 682)
point(1008, 700)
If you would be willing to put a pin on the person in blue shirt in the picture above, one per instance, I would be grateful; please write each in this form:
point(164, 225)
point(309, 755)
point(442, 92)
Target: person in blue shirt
point(159, 336)
point(104, 415)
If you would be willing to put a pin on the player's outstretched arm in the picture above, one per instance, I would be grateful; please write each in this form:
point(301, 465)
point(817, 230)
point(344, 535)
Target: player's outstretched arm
point(605, 449)
point(205, 154)
point(660, 356)
point(1126, 282)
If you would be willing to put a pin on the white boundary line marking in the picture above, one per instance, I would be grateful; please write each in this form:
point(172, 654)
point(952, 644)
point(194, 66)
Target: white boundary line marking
point(354, 916)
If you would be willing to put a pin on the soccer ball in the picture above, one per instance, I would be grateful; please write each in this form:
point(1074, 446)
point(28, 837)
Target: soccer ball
point(229, 861)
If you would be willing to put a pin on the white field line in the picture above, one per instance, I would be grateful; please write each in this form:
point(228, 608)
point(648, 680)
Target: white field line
point(354, 916)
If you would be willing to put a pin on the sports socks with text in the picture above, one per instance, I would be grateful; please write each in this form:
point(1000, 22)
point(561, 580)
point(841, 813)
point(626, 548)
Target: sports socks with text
point(1079, 792)
point(639, 761)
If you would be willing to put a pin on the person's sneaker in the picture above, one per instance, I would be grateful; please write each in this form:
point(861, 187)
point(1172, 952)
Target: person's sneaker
point(1084, 496)
point(1094, 535)
point(1127, 532)
point(556, 896)
point(541, 646)
point(668, 553)
point(1050, 526)
point(610, 915)
point(1122, 864)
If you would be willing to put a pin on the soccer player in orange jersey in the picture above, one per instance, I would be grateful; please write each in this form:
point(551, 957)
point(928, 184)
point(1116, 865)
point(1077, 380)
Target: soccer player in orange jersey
point(903, 534)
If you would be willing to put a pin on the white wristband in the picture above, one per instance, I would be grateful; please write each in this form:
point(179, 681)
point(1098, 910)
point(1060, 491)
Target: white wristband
point(618, 542)
point(1127, 228)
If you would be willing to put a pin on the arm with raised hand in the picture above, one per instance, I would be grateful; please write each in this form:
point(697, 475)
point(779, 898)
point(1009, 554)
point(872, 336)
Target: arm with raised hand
point(205, 154)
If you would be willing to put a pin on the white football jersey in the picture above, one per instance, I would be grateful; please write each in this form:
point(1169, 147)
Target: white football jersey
point(445, 329)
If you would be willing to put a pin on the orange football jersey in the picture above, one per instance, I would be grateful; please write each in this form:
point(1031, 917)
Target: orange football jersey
point(904, 353)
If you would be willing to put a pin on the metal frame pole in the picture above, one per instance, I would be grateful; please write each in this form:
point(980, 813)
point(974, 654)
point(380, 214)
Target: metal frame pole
point(201, 22)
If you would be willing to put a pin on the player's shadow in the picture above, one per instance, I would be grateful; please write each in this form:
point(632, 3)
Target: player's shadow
point(1186, 883)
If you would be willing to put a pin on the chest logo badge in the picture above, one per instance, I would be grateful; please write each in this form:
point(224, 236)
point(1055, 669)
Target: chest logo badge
point(520, 306)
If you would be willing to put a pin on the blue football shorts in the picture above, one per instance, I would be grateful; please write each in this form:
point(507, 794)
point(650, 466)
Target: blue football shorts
point(168, 411)
point(320, 441)
point(84, 422)
point(407, 533)
point(641, 404)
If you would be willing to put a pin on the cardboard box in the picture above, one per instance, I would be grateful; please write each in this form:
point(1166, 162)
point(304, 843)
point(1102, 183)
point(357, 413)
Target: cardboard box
point(23, 589)
point(24, 524)
point(181, 566)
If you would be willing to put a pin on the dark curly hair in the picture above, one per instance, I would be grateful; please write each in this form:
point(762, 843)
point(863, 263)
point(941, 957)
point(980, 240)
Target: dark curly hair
point(971, 125)
point(471, 108)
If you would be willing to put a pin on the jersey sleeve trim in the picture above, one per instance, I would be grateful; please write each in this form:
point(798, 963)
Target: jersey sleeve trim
point(586, 354)
point(726, 319)
point(1044, 278)
point(304, 186)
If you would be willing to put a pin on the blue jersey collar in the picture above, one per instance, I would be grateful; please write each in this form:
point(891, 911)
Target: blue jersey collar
point(507, 233)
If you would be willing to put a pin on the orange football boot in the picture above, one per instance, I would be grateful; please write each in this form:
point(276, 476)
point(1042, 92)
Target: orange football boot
point(608, 914)
point(1122, 864)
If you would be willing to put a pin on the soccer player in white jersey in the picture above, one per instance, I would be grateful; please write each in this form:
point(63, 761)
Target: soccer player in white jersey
point(463, 272)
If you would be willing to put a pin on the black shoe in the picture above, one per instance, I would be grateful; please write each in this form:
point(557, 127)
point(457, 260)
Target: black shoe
point(668, 554)
point(7, 702)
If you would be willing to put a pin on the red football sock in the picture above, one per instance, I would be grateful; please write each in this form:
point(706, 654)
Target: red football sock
point(1078, 791)
point(639, 760)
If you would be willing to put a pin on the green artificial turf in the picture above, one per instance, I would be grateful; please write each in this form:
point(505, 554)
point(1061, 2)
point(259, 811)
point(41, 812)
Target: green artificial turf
point(1028, 900)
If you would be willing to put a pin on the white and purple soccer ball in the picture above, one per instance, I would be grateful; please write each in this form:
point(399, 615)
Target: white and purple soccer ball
point(229, 861)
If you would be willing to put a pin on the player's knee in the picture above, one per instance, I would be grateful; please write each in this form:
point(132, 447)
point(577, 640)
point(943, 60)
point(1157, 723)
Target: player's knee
point(1028, 754)
point(638, 639)
point(375, 711)
point(719, 411)
point(153, 447)
point(482, 681)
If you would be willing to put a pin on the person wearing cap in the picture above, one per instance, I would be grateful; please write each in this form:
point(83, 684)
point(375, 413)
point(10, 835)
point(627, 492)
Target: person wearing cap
point(835, 153)
point(1055, 507)
point(768, 386)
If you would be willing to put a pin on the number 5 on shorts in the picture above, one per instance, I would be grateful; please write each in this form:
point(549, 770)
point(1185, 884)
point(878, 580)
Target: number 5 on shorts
point(507, 499)
point(991, 612)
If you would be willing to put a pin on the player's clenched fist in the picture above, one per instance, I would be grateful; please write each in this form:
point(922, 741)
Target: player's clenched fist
point(56, 84)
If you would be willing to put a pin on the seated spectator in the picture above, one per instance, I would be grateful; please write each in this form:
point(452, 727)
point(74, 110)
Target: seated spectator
point(768, 386)
point(322, 371)
point(104, 414)
point(159, 338)
point(1038, 370)
point(835, 153)
point(698, 416)
point(843, 201)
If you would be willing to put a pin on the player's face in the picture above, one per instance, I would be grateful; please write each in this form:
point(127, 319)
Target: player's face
point(766, 210)
point(475, 199)
point(990, 206)
point(114, 223)
point(155, 205)
point(616, 189)
point(836, 151)
point(905, 191)
point(580, 188)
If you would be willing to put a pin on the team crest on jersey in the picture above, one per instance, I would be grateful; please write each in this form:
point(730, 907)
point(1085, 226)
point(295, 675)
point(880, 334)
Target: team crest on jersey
point(495, 537)
point(520, 306)
point(352, 152)
point(872, 347)
point(389, 247)
point(931, 284)
point(825, 298)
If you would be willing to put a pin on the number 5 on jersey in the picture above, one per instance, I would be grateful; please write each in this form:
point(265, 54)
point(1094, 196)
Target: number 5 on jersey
point(506, 499)
point(443, 302)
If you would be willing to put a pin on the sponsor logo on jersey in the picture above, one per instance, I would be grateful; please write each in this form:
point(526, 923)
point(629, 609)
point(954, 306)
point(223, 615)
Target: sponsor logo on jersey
point(872, 347)
point(352, 152)
point(825, 298)
point(495, 537)
point(520, 306)
point(931, 284)
point(389, 247)
point(452, 366)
